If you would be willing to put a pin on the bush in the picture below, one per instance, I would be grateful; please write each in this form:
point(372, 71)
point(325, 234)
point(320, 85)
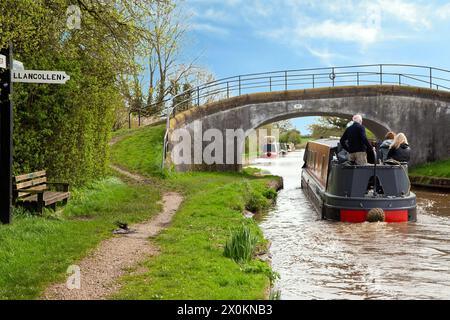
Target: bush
point(241, 245)
point(256, 202)
point(270, 194)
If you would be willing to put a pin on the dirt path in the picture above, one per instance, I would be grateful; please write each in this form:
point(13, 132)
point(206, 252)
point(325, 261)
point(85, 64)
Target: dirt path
point(133, 176)
point(101, 269)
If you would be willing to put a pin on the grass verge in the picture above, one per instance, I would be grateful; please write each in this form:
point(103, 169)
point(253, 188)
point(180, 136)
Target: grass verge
point(192, 264)
point(36, 251)
point(439, 169)
point(140, 152)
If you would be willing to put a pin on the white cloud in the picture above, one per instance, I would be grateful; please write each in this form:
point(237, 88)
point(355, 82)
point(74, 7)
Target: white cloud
point(208, 28)
point(341, 31)
point(324, 55)
point(444, 11)
point(311, 26)
point(414, 14)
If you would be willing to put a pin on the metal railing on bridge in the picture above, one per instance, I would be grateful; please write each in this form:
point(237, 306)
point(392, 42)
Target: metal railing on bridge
point(370, 74)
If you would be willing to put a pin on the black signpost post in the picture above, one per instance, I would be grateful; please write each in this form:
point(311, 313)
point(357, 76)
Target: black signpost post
point(7, 77)
point(6, 144)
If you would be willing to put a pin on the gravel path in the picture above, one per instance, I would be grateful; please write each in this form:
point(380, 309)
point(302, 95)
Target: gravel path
point(109, 261)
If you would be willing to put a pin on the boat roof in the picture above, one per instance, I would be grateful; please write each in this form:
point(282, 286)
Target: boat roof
point(330, 142)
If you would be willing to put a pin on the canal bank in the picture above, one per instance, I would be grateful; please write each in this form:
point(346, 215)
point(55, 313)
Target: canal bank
point(191, 263)
point(430, 182)
point(328, 260)
point(434, 175)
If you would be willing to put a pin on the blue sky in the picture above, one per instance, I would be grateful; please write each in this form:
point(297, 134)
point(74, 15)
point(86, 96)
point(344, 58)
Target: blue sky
point(233, 37)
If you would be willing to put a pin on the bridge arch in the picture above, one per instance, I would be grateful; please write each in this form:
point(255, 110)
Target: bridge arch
point(376, 126)
point(422, 114)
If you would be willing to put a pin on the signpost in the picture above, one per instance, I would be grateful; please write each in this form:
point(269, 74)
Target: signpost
point(12, 71)
point(38, 76)
point(2, 61)
point(6, 128)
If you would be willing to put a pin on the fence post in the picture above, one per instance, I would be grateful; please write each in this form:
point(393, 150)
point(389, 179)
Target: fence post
point(431, 78)
point(270, 83)
point(399, 79)
point(198, 96)
point(129, 119)
point(334, 75)
point(381, 74)
point(285, 81)
point(139, 117)
point(314, 82)
point(228, 90)
point(239, 85)
point(357, 79)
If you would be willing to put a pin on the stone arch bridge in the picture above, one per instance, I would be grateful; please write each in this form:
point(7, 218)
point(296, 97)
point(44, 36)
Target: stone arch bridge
point(417, 104)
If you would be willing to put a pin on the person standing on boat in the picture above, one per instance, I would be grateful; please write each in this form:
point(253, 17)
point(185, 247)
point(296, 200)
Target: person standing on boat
point(400, 150)
point(386, 145)
point(355, 142)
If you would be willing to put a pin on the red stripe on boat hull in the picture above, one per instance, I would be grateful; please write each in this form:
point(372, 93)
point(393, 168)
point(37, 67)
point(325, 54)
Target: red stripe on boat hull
point(396, 216)
point(358, 216)
point(354, 216)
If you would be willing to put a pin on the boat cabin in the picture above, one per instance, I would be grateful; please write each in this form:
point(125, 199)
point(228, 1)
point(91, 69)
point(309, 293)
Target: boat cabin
point(335, 185)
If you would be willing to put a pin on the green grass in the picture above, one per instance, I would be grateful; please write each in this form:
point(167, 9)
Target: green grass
point(305, 140)
point(192, 264)
point(36, 251)
point(241, 245)
point(439, 169)
point(142, 151)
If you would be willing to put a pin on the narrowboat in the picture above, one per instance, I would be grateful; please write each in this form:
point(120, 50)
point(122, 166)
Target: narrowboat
point(271, 148)
point(342, 191)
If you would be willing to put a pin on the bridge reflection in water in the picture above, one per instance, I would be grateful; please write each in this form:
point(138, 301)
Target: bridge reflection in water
point(328, 260)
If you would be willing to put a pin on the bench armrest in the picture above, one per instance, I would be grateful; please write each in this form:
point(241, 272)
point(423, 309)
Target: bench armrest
point(60, 186)
point(29, 191)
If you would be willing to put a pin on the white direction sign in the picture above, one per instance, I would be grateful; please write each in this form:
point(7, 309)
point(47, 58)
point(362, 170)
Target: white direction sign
point(2, 61)
point(40, 76)
point(18, 65)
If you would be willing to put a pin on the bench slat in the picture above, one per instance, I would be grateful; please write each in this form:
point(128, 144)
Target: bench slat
point(36, 188)
point(49, 197)
point(29, 176)
point(31, 183)
point(56, 198)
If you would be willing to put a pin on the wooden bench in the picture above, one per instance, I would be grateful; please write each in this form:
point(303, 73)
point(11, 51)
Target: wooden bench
point(32, 190)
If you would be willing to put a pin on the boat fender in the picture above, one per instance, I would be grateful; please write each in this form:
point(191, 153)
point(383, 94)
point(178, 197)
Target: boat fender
point(376, 215)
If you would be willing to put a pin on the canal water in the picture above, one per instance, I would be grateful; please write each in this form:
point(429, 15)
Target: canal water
point(330, 260)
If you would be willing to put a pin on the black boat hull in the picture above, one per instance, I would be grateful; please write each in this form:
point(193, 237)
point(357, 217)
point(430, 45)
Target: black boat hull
point(355, 209)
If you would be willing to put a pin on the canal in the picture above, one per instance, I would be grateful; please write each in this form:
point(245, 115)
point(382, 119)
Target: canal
point(329, 260)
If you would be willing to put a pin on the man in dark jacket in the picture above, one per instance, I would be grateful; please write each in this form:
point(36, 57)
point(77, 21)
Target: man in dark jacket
point(355, 142)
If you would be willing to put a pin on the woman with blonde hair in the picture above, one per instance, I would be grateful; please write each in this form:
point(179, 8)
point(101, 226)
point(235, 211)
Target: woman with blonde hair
point(399, 149)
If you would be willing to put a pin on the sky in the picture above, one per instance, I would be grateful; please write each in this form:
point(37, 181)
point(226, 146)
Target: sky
point(232, 37)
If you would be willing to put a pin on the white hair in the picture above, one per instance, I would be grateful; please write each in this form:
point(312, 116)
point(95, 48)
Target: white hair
point(358, 119)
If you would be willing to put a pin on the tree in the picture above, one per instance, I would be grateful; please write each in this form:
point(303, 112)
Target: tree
point(291, 136)
point(284, 126)
point(334, 122)
point(162, 49)
point(66, 129)
point(329, 127)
